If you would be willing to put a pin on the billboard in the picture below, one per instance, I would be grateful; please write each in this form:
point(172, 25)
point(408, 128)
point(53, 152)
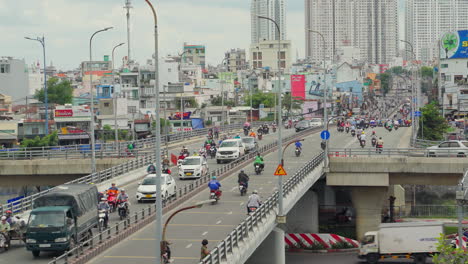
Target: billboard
point(76, 111)
point(298, 86)
point(454, 45)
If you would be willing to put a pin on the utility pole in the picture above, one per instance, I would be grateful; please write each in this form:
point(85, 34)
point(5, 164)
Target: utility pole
point(116, 128)
point(128, 6)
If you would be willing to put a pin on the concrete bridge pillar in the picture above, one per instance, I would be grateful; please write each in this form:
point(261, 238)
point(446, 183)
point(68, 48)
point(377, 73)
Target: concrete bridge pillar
point(271, 251)
point(303, 217)
point(368, 203)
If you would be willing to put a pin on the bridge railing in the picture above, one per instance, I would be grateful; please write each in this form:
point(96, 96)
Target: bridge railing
point(244, 229)
point(407, 152)
point(146, 215)
point(422, 143)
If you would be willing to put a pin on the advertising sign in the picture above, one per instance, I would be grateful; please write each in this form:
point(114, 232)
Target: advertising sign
point(63, 113)
point(454, 45)
point(298, 86)
point(73, 112)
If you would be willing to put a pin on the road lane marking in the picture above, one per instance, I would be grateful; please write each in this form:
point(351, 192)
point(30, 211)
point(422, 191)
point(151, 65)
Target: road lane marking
point(219, 222)
point(230, 213)
point(189, 245)
point(241, 204)
point(233, 189)
point(204, 233)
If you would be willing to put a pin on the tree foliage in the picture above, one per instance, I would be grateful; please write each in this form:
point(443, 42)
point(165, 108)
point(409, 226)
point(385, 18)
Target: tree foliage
point(58, 92)
point(432, 124)
point(267, 99)
point(398, 70)
point(290, 102)
point(191, 102)
point(48, 140)
point(426, 72)
point(217, 101)
point(385, 81)
point(447, 254)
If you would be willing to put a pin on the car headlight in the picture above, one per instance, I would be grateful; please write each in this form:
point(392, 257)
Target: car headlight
point(30, 240)
point(61, 239)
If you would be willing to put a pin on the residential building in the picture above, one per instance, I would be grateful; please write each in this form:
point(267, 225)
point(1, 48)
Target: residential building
point(8, 133)
point(194, 54)
point(427, 20)
point(14, 78)
point(73, 116)
point(265, 55)
point(235, 60)
point(5, 104)
point(453, 85)
point(262, 29)
point(370, 25)
point(36, 78)
point(107, 115)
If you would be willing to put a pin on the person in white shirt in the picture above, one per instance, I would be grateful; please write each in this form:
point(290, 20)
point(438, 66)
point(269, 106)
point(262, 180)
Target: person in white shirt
point(254, 201)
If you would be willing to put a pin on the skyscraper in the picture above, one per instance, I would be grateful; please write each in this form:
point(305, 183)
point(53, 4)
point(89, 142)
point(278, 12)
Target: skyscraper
point(427, 20)
point(370, 25)
point(262, 29)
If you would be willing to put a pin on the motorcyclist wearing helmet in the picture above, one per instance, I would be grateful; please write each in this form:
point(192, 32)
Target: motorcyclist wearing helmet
point(254, 201)
point(215, 186)
point(259, 160)
point(9, 217)
point(123, 196)
point(362, 137)
point(237, 136)
point(104, 206)
point(243, 178)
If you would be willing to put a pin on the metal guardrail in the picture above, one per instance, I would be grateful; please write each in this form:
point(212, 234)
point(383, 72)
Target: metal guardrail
point(146, 214)
point(420, 211)
point(407, 152)
point(421, 143)
point(243, 230)
point(83, 151)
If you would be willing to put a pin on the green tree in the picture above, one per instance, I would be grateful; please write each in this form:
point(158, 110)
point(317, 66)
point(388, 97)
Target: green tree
point(190, 102)
point(49, 140)
point(432, 124)
point(385, 81)
point(398, 70)
point(267, 99)
point(447, 254)
point(427, 74)
point(217, 101)
point(58, 92)
point(290, 102)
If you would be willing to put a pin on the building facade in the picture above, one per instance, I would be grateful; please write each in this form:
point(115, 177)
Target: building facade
point(427, 20)
point(235, 60)
point(370, 25)
point(262, 29)
point(195, 54)
point(265, 55)
point(14, 78)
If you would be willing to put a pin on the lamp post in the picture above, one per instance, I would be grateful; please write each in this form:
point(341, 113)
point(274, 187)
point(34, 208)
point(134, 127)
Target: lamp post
point(279, 106)
point(116, 130)
point(157, 150)
point(414, 92)
point(93, 148)
point(42, 41)
point(222, 94)
point(325, 94)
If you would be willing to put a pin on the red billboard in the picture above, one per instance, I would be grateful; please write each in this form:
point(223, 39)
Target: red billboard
point(298, 86)
point(63, 113)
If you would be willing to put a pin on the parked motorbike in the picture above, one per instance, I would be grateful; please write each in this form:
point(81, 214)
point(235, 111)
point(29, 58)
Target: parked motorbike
point(242, 189)
point(123, 209)
point(258, 169)
point(298, 152)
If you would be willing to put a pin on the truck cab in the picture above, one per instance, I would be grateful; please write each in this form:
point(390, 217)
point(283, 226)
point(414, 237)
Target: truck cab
point(50, 228)
point(369, 244)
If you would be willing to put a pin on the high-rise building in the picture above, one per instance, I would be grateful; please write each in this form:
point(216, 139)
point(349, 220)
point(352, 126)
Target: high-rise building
point(235, 60)
point(262, 29)
point(427, 20)
point(370, 25)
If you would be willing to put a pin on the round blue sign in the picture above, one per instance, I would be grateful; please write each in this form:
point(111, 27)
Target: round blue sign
point(325, 135)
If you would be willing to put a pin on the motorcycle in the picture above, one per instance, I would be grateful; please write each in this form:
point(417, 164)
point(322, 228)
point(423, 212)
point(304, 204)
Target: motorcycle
point(4, 240)
point(298, 152)
point(112, 201)
point(252, 210)
point(242, 189)
point(102, 214)
point(274, 129)
point(265, 130)
point(374, 141)
point(363, 143)
point(379, 149)
point(123, 209)
point(353, 133)
point(347, 130)
point(213, 152)
point(246, 131)
point(396, 127)
point(260, 136)
point(214, 195)
point(258, 169)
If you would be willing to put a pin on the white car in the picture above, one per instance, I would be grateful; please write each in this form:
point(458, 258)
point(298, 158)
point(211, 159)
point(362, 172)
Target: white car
point(452, 148)
point(193, 167)
point(230, 149)
point(316, 122)
point(147, 188)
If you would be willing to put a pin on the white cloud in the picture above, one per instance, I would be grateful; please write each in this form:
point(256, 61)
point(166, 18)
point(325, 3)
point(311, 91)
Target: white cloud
point(68, 24)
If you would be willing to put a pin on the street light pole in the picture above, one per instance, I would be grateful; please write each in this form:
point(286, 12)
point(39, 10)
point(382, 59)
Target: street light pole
point(159, 215)
point(325, 94)
point(93, 148)
point(222, 94)
point(42, 41)
point(115, 101)
point(415, 97)
point(279, 121)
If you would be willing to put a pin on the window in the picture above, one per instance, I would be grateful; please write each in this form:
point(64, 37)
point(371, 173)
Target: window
point(283, 64)
point(35, 130)
point(285, 46)
point(260, 64)
point(270, 46)
point(255, 64)
point(106, 104)
point(282, 55)
point(131, 109)
point(443, 66)
point(448, 77)
point(444, 145)
point(4, 68)
point(454, 145)
point(169, 70)
point(255, 55)
point(259, 55)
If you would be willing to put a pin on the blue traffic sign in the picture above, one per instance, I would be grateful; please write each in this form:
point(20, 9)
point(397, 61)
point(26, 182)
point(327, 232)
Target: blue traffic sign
point(417, 113)
point(325, 134)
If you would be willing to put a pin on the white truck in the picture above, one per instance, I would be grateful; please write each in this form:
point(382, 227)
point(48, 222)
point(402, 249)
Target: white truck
point(416, 240)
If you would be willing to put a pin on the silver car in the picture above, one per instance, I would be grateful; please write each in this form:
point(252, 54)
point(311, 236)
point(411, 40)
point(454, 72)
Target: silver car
point(250, 144)
point(452, 148)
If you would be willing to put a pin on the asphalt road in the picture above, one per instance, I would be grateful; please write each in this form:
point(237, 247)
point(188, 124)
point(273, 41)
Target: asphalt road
point(19, 254)
point(214, 222)
point(334, 258)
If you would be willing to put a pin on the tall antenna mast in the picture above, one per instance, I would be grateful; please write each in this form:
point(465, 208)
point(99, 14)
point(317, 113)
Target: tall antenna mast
point(128, 6)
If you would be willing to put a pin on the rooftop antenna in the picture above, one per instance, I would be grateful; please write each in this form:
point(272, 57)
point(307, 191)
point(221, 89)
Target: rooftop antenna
point(128, 6)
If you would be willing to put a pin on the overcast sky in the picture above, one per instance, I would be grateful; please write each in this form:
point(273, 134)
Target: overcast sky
point(68, 24)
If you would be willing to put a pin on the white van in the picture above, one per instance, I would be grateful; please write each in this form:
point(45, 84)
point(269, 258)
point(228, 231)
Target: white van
point(230, 149)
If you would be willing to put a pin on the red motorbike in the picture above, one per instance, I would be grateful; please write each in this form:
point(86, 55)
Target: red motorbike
point(112, 199)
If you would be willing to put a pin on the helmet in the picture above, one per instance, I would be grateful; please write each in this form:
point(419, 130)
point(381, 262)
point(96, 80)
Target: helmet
point(214, 177)
point(363, 132)
point(103, 199)
point(122, 190)
point(8, 212)
point(204, 242)
point(4, 218)
point(241, 170)
point(255, 192)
